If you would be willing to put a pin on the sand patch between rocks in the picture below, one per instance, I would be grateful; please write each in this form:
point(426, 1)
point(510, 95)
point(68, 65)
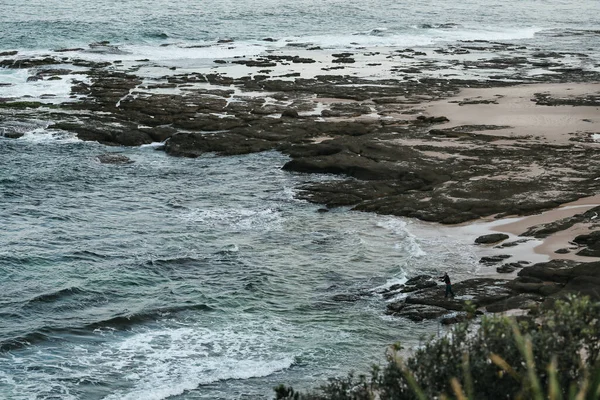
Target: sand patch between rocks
point(515, 108)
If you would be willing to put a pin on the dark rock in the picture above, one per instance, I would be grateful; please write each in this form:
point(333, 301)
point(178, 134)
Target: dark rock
point(521, 301)
point(494, 259)
point(347, 60)
point(582, 286)
point(196, 144)
point(395, 307)
point(561, 271)
point(592, 241)
point(418, 279)
point(524, 284)
point(513, 243)
point(11, 132)
point(508, 268)
point(491, 238)
point(8, 53)
point(303, 60)
point(589, 252)
point(289, 113)
point(432, 120)
point(418, 312)
point(418, 282)
point(68, 50)
point(562, 251)
point(478, 291)
point(346, 297)
point(550, 288)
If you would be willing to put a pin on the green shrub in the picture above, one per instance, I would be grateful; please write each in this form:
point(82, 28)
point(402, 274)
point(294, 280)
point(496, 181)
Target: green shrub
point(552, 355)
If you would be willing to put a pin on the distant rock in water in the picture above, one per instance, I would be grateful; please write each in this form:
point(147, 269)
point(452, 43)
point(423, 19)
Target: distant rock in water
point(114, 158)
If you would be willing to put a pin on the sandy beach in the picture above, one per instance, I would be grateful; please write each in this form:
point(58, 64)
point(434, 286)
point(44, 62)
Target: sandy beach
point(528, 121)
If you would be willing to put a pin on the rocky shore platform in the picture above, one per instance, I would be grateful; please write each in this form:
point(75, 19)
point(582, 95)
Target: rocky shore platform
point(474, 131)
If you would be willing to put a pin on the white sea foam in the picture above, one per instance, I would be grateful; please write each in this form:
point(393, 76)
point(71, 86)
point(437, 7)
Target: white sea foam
point(152, 145)
point(235, 219)
point(408, 242)
point(154, 363)
point(413, 38)
point(44, 135)
point(45, 91)
point(479, 33)
point(181, 54)
point(166, 362)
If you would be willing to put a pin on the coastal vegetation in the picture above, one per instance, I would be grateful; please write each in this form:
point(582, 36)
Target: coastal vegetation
point(552, 353)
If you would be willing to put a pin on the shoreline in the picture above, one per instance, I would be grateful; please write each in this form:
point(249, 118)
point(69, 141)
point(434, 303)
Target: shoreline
point(453, 137)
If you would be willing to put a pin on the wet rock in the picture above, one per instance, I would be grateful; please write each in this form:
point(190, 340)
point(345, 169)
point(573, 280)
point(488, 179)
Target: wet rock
point(491, 238)
point(591, 241)
point(478, 291)
point(490, 260)
point(11, 132)
point(344, 60)
point(196, 144)
point(346, 297)
point(416, 312)
point(563, 251)
point(508, 268)
point(418, 282)
point(66, 50)
point(289, 113)
point(589, 252)
point(29, 62)
point(303, 60)
point(106, 131)
point(513, 243)
point(432, 120)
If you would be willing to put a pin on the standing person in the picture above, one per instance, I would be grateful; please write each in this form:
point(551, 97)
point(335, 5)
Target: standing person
point(446, 280)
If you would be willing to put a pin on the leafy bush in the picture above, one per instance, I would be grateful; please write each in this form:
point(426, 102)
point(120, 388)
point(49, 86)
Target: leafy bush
point(555, 355)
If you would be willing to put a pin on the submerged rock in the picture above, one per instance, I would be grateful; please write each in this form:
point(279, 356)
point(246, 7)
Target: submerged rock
point(113, 158)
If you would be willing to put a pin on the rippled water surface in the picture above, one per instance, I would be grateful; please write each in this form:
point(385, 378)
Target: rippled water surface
point(202, 278)
point(48, 24)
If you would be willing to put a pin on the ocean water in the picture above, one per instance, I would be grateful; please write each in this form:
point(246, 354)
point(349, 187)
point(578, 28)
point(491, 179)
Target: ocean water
point(142, 25)
point(205, 278)
point(192, 278)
